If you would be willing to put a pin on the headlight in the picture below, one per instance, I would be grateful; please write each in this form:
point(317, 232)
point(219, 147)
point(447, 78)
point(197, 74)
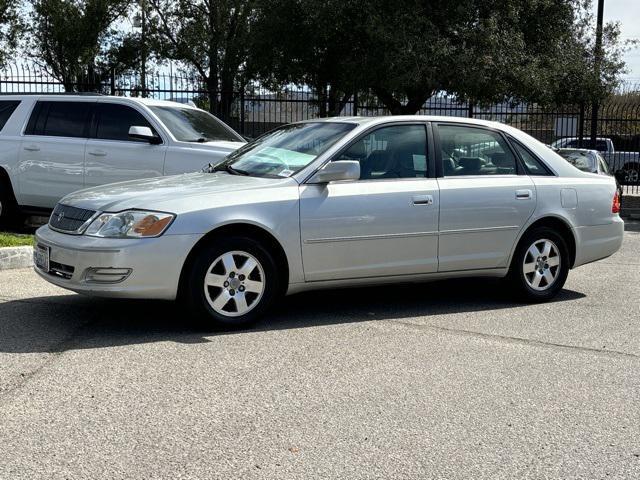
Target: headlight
point(130, 224)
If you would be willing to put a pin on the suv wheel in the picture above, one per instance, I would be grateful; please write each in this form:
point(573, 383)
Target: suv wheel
point(540, 265)
point(231, 283)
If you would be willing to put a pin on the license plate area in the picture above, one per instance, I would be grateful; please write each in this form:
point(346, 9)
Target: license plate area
point(41, 254)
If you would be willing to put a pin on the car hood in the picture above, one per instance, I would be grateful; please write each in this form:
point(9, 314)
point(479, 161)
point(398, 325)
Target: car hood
point(174, 193)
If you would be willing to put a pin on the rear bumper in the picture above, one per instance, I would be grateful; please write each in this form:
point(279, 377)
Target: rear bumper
point(155, 263)
point(598, 241)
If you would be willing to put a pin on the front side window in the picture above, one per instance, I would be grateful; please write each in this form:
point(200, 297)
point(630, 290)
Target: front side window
point(59, 119)
point(398, 151)
point(191, 125)
point(114, 122)
point(286, 150)
point(6, 109)
point(467, 150)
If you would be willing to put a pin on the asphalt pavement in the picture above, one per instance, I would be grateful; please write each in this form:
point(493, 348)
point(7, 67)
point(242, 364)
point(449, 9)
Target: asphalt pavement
point(435, 380)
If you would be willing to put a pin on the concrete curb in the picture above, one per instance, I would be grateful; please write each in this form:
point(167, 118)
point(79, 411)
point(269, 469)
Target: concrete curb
point(16, 257)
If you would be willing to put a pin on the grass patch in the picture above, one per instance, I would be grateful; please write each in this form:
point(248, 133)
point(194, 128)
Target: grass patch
point(15, 239)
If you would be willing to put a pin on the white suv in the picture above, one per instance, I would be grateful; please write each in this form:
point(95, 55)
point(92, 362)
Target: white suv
point(52, 145)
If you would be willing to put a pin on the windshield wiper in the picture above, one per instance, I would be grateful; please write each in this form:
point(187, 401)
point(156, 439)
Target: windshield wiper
point(229, 169)
point(199, 140)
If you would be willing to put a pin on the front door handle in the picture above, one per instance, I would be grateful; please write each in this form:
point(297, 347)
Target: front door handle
point(523, 194)
point(422, 199)
point(98, 153)
point(32, 148)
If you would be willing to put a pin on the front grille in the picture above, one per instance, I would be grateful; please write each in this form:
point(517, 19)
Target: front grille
point(69, 219)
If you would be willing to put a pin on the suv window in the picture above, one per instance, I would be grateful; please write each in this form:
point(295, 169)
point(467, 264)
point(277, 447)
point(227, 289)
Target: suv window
point(114, 121)
point(398, 151)
point(59, 119)
point(468, 150)
point(532, 165)
point(6, 109)
point(192, 125)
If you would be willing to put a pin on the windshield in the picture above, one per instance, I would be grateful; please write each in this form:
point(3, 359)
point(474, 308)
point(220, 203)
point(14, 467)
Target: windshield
point(286, 150)
point(581, 160)
point(191, 125)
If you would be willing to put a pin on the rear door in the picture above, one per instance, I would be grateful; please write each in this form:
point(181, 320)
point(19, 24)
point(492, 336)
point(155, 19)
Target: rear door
point(111, 156)
point(485, 197)
point(52, 151)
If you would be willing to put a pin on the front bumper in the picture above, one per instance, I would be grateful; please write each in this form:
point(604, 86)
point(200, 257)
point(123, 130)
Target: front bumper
point(155, 263)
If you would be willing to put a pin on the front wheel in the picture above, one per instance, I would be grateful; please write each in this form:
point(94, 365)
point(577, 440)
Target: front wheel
point(231, 283)
point(540, 265)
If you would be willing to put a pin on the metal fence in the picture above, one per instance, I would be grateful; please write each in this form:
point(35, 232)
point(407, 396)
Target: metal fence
point(255, 109)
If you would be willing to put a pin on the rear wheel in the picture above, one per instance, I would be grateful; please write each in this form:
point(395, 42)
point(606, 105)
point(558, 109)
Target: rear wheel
point(540, 265)
point(231, 283)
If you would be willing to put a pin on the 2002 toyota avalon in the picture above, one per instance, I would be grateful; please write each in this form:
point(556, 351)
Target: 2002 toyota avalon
point(335, 203)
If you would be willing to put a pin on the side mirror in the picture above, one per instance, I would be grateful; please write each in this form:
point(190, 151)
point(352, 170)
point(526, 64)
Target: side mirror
point(336, 171)
point(144, 133)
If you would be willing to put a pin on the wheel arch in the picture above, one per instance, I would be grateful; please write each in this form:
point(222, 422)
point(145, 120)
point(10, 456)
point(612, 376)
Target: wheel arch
point(249, 230)
point(558, 224)
point(5, 181)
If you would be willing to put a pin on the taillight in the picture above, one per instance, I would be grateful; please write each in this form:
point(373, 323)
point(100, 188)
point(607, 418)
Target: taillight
point(615, 206)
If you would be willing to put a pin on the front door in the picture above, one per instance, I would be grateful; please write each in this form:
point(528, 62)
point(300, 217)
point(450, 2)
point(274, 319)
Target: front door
point(111, 156)
point(381, 225)
point(484, 199)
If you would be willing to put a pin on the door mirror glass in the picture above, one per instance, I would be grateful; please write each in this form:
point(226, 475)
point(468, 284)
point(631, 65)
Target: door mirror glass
point(336, 171)
point(143, 133)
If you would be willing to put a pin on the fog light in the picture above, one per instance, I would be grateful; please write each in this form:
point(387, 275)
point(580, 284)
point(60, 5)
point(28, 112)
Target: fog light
point(106, 275)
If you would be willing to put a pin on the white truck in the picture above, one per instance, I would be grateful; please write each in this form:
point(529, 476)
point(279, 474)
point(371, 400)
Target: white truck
point(624, 165)
point(52, 145)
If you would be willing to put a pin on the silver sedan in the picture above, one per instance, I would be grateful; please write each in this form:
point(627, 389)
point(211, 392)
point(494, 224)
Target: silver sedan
point(336, 203)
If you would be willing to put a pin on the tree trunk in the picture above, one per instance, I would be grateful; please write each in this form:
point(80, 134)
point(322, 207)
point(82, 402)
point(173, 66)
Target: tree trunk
point(415, 101)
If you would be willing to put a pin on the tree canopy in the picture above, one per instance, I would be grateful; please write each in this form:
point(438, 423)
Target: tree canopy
point(401, 51)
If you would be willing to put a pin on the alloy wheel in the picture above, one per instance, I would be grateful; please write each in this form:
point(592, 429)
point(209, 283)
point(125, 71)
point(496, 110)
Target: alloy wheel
point(541, 264)
point(234, 283)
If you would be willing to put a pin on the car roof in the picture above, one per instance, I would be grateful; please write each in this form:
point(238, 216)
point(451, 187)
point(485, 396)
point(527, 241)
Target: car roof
point(93, 96)
point(362, 120)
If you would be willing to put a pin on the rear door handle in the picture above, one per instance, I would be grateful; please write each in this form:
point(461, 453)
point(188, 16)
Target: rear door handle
point(422, 199)
point(98, 153)
point(32, 148)
point(523, 194)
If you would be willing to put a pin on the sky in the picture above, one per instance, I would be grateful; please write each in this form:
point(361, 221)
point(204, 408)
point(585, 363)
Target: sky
point(627, 12)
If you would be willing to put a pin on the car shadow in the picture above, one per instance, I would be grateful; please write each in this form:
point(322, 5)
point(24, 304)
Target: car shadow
point(66, 322)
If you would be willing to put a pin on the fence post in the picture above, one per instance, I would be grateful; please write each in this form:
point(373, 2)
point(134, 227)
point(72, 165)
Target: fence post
point(113, 81)
point(242, 111)
point(594, 124)
point(355, 103)
point(470, 113)
point(581, 125)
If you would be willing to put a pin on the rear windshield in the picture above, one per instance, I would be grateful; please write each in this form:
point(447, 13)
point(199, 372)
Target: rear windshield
point(191, 125)
point(7, 107)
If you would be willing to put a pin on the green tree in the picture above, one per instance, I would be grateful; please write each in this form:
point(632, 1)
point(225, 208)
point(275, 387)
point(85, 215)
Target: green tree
point(75, 40)
point(406, 50)
point(9, 27)
point(210, 37)
point(310, 42)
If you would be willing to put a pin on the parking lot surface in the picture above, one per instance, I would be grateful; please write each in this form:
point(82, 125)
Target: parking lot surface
point(435, 380)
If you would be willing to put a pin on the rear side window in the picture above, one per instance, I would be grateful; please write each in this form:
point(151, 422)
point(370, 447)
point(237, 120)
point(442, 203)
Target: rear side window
point(532, 165)
point(471, 150)
point(114, 121)
point(6, 109)
point(59, 119)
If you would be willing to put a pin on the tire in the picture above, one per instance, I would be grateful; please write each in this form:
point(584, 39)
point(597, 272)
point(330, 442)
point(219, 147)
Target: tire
point(9, 215)
point(540, 250)
point(231, 283)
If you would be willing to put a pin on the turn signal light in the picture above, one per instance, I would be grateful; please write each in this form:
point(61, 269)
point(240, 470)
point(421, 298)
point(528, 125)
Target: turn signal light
point(615, 206)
